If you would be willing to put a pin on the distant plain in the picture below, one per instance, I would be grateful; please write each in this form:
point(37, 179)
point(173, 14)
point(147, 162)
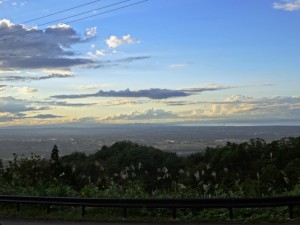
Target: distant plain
point(179, 139)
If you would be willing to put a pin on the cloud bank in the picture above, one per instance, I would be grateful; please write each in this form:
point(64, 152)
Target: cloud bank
point(149, 114)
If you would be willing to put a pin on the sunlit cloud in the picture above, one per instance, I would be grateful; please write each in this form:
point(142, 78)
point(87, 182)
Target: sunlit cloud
point(28, 90)
point(2, 87)
point(91, 32)
point(114, 42)
point(149, 114)
point(120, 102)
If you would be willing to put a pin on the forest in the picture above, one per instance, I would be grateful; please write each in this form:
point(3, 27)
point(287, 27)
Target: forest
point(128, 170)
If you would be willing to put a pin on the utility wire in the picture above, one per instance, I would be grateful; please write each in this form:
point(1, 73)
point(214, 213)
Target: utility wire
point(73, 21)
point(59, 12)
point(53, 21)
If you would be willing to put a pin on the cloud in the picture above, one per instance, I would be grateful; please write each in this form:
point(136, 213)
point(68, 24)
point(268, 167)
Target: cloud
point(114, 42)
point(287, 5)
point(93, 86)
point(12, 118)
point(91, 32)
point(16, 106)
point(28, 90)
point(243, 107)
point(154, 93)
point(176, 66)
point(31, 78)
point(118, 102)
point(100, 52)
point(131, 59)
point(65, 104)
point(149, 114)
point(31, 48)
point(45, 116)
point(2, 87)
point(110, 63)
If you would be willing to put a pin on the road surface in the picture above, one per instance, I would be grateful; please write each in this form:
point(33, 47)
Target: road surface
point(29, 222)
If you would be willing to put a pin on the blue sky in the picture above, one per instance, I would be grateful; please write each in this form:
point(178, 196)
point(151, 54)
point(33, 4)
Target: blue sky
point(171, 61)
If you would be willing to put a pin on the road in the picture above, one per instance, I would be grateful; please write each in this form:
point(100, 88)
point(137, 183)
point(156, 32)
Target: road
point(28, 222)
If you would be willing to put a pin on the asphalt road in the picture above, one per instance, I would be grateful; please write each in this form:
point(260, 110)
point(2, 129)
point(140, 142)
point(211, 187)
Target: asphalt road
point(29, 222)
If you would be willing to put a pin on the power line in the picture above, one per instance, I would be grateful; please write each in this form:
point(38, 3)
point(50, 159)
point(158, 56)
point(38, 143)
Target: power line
point(53, 21)
point(73, 21)
point(59, 12)
point(126, 6)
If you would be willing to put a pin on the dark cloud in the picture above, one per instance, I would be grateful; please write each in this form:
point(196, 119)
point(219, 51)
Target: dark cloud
point(111, 63)
point(17, 106)
point(28, 78)
point(41, 62)
point(45, 116)
point(154, 93)
point(131, 59)
point(49, 48)
point(150, 93)
point(16, 117)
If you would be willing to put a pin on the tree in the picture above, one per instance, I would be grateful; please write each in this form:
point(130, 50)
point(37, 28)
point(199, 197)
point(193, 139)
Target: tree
point(55, 165)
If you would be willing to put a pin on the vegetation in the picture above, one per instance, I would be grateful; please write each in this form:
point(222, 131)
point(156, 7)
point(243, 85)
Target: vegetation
point(128, 170)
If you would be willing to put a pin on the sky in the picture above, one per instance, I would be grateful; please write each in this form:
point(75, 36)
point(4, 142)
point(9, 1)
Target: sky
point(185, 62)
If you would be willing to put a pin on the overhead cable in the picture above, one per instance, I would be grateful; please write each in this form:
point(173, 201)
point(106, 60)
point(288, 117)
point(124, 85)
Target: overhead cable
point(57, 20)
point(56, 13)
point(83, 18)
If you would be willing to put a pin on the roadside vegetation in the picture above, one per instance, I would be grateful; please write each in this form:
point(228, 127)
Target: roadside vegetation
point(128, 170)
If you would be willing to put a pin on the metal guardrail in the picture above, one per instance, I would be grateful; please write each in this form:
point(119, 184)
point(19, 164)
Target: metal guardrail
point(174, 204)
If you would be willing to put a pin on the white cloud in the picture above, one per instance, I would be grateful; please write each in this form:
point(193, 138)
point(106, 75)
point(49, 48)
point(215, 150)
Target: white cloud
point(287, 5)
point(114, 42)
point(28, 90)
point(180, 65)
point(118, 102)
point(100, 52)
point(149, 114)
point(91, 32)
point(93, 86)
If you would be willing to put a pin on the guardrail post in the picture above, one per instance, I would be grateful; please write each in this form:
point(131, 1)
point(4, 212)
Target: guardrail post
point(18, 207)
point(125, 212)
point(230, 213)
point(83, 211)
point(174, 213)
point(291, 212)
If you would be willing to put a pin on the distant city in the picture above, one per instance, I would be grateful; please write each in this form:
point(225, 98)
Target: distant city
point(179, 139)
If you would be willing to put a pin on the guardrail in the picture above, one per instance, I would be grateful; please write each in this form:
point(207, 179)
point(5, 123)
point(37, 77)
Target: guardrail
point(174, 204)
